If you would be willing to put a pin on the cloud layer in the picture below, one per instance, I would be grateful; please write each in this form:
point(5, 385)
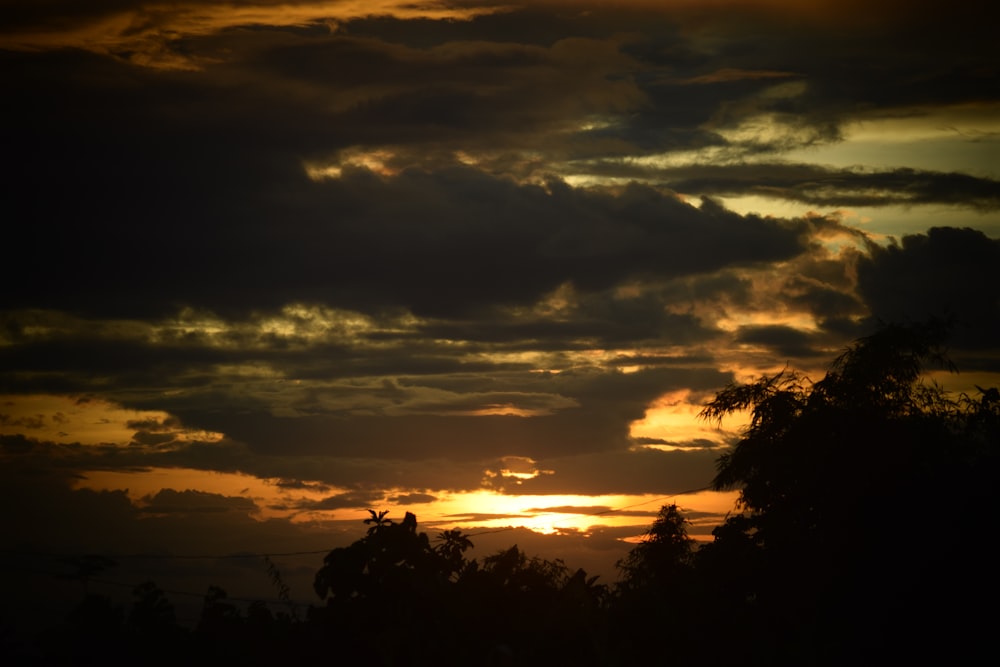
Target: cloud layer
point(369, 254)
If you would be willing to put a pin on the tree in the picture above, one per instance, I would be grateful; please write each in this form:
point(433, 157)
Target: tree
point(392, 558)
point(538, 609)
point(657, 593)
point(393, 597)
point(390, 593)
point(840, 534)
point(663, 557)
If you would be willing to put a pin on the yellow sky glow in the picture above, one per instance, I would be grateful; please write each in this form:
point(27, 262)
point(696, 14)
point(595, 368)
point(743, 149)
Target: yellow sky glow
point(674, 417)
point(88, 421)
point(67, 420)
point(473, 510)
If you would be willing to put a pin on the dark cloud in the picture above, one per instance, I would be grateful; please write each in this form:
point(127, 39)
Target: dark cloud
point(603, 319)
point(698, 443)
point(437, 244)
point(640, 471)
point(299, 484)
point(243, 173)
point(412, 499)
point(823, 186)
point(59, 14)
point(150, 439)
point(349, 500)
point(374, 257)
point(948, 273)
point(33, 422)
point(170, 501)
point(570, 509)
point(220, 166)
point(478, 517)
point(153, 424)
point(786, 342)
point(825, 290)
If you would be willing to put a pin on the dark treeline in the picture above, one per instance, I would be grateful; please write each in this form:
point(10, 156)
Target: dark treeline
point(863, 535)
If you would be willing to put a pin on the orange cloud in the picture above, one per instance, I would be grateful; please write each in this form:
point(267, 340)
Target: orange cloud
point(728, 74)
point(144, 34)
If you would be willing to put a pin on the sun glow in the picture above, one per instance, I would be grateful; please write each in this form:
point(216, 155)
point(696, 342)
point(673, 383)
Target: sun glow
point(471, 511)
point(550, 514)
point(674, 418)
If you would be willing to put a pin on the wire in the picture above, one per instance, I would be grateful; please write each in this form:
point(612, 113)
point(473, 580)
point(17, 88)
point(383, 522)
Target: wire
point(314, 552)
point(281, 603)
point(36, 554)
point(222, 556)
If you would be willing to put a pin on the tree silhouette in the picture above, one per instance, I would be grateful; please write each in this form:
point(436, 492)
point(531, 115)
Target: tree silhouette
point(865, 511)
point(538, 610)
point(392, 558)
point(840, 538)
point(390, 593)
point(153, 633)
point(393, 595)
point(657, 592)
point(664, 556)
point(92, 633)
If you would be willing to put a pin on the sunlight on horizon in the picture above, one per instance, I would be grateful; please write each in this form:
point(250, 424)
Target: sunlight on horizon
point(470, 510)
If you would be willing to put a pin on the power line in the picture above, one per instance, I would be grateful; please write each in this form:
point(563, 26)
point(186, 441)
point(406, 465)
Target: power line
point(227, 598)
point(221, 556)
point(285, 603)
point(147, 556)
point(313, 552)
point(170, 591)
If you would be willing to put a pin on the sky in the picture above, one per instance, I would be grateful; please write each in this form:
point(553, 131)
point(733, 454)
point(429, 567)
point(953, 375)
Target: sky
point(270, 265)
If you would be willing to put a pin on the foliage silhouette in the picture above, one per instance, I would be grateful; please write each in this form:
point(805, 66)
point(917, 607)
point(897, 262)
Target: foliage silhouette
point(92, 633)
point(657, 593)
point(392, 558)
point(86, 567)
point(865, 504)
point(815, 467)
point(392, 596)
point(663, 557)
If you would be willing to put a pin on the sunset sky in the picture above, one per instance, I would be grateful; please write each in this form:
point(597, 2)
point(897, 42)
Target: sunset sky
point(271, 264)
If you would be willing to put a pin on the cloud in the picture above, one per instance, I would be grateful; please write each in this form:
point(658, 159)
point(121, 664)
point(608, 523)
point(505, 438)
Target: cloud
point(439, 245)
point(210, 167)
point(370, 252)
point(32, 422)
point(640, 471)
point(478, 517)
point(949, 273)
point(412, 499)
point(299, 484)
point(147, 34)
point(189, 501)
point(818, 186)
point(353, 500)
point(699, 443)
point(785, 341)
